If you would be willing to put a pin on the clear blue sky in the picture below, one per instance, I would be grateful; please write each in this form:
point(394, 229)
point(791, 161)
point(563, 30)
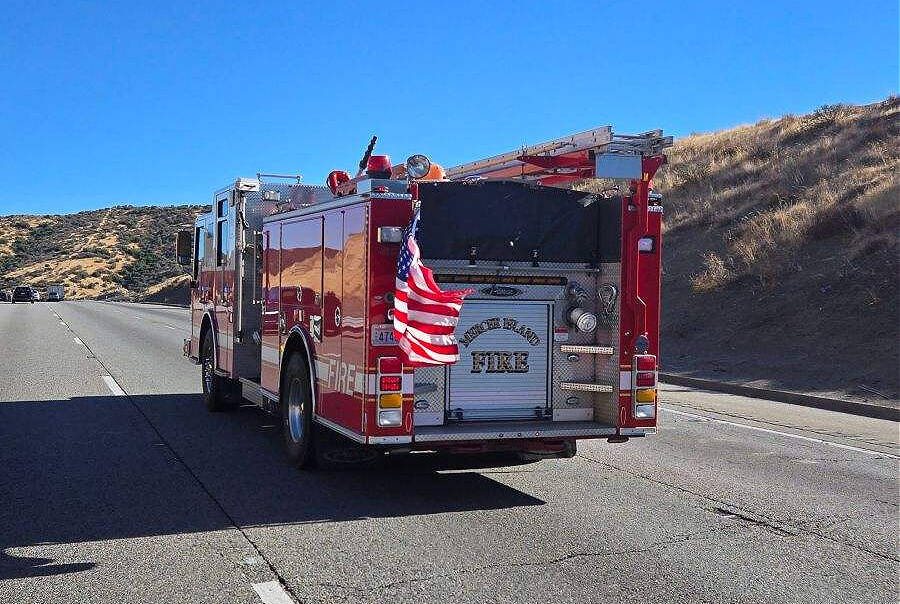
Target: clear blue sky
point(163, 102)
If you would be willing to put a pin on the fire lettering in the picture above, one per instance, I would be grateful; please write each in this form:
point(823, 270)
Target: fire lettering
point(500, 361)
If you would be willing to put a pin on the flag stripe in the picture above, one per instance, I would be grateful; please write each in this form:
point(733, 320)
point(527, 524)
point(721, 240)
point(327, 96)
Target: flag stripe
point(425, 316)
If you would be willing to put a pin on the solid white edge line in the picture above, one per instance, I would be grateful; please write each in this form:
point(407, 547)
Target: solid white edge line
point(788, 434)
point(113, 385)
point(271, 592)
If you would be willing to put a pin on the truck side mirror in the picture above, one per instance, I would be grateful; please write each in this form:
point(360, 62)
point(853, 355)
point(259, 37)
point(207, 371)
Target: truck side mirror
point(184, 247)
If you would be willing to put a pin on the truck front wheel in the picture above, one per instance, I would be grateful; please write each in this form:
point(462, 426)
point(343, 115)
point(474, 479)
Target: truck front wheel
point(296, 412)
point(218, 391)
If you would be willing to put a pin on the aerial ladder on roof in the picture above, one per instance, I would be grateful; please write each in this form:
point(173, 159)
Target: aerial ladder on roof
point(597, 153)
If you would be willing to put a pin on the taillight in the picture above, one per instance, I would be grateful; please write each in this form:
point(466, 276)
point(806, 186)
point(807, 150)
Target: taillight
point(390, 383)
point(643, 386)
point(390, 365)
point(390, 398)
point(645, 379)
point(645, 362)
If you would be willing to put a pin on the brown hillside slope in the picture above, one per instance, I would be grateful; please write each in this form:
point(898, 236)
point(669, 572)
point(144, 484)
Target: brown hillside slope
point(117, 252)
point(781, 252)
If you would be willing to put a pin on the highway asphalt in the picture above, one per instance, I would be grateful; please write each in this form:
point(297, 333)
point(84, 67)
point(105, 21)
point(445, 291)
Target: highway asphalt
point(117, 486)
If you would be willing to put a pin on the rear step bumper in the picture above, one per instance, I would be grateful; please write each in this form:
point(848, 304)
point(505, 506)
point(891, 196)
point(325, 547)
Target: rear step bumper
point(510, 430)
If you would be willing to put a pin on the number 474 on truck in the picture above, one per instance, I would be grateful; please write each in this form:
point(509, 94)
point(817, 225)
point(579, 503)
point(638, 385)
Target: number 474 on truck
point(492, 306)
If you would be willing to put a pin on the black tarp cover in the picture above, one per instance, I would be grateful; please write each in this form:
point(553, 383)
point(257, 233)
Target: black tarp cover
point(507, 220)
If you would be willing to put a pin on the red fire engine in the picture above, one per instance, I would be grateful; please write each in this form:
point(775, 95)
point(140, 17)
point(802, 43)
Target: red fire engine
point(292, 300)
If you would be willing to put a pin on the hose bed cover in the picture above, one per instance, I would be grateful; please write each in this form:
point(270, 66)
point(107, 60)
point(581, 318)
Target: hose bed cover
point(508, 221)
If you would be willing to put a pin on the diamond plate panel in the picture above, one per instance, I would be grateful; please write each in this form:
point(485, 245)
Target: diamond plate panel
point(429, 399)
point(606, 406)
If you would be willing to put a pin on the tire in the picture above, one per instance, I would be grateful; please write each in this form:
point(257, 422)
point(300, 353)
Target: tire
point(296, 413)
point(219, 393)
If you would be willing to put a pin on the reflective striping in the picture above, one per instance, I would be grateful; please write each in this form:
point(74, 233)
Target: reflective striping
point(586, 349)
point(575, 386)
point(341, 429)
point(389, 440)
point(113, 385)
point(270, 355)
point(322, 369)
point(272, 592)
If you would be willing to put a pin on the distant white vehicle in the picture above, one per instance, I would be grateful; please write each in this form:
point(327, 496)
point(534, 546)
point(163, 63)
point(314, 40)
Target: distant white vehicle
point(55, 293)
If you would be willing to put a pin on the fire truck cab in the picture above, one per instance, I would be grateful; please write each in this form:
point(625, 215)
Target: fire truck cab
point(292, 301)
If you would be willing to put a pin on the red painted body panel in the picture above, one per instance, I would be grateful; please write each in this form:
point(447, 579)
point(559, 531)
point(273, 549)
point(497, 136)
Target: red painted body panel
point(301, 277)
point(347, 409)
point(382, 269)
point(270, 368)
point(640, 275)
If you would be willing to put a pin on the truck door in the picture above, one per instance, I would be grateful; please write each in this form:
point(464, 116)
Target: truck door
point(224, 278)
point(270, 368)
point(348, 409)
point(333, 374)
point(301, 282)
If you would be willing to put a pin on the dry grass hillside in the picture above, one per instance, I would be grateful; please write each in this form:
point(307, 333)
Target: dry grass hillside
point(118, 252)
point(781, 252)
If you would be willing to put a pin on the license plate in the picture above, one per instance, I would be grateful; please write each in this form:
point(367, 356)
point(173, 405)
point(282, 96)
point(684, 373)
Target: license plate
point(383, 335)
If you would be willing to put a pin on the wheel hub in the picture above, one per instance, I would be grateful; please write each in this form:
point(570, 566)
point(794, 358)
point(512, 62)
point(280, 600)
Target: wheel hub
point(296, 408)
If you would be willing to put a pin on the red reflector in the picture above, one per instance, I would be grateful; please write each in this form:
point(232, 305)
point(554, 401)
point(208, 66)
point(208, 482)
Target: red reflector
point(390, 382)
point(645, 362)
point(645, 378)
point(390, 365)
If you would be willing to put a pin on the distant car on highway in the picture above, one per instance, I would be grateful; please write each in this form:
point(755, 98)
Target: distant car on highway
point(55, 293)
point(36, 295)
point(23, 293)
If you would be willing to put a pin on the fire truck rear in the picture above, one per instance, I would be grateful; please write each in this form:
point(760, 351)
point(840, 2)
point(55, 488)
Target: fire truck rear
point(292, 300)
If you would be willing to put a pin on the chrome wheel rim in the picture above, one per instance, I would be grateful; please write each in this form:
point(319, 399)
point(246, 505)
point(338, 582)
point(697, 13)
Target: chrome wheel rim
point(207, 374)
point(295, 410)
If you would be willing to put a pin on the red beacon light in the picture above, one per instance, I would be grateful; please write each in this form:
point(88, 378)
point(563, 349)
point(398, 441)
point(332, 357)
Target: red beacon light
point(335, 179)
point(379, 166)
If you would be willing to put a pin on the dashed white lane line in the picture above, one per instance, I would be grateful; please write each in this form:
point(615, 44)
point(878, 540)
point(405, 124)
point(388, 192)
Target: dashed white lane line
point(272, 592)
point(113, 385)
point(78, 341)
point(788, 434)
point(170, 326)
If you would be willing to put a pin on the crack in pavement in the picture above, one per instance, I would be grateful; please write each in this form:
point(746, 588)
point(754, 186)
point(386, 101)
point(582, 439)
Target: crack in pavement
point(746, 514)
point(650, 547)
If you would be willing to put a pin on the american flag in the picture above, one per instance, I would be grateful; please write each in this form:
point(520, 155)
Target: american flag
point(424, 316)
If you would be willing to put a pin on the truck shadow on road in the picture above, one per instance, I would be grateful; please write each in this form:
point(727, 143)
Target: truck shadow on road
point(94, 469)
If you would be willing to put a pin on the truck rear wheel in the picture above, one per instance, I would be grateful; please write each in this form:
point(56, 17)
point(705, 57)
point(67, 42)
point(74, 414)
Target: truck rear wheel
point(296, 412)
point(218, 392)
